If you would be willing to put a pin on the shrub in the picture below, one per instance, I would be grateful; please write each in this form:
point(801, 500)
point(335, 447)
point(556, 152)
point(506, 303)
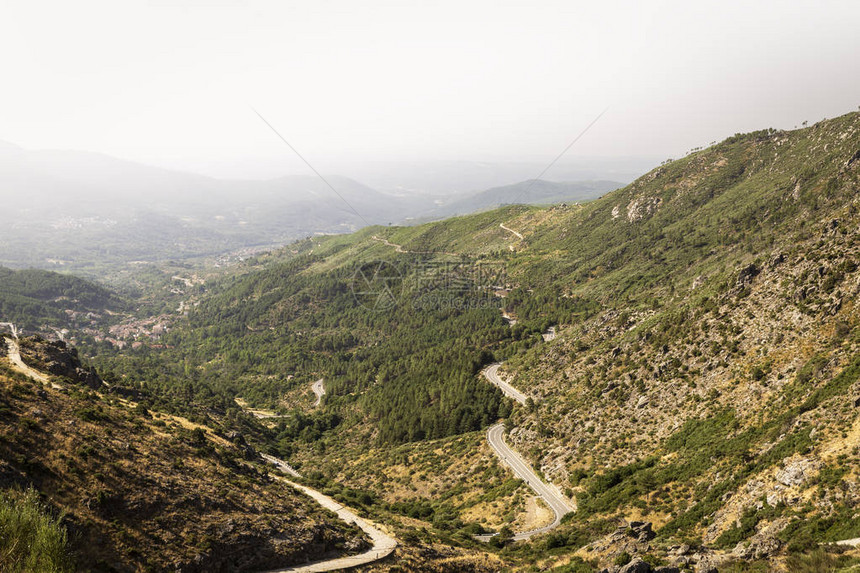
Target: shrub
point(31, 539)
point(91, 414)
point(817, 561)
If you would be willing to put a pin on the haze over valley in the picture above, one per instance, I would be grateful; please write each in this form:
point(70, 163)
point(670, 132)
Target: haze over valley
point(448, 287)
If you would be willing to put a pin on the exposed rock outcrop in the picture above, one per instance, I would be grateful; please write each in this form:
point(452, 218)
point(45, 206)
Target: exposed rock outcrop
point(58, 359)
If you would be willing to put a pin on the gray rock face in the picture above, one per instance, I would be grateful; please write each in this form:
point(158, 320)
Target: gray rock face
point(642, 531)
point(747, 274)
point(711, 564)
point(636, 566)
point(60, 360)
point(632, 539)
point(797, 472)
point(762, 548)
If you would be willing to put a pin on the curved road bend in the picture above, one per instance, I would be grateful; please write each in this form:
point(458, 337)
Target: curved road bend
point(491, 373)
point(383, 544)
point(547, 492)
point(400, 249)
point(319, 390)
point(496, 438)
point(397, 248)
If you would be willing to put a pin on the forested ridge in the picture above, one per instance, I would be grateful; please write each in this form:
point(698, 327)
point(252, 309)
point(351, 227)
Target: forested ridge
point(411, 372)
point(706, 320)
point(33, 298)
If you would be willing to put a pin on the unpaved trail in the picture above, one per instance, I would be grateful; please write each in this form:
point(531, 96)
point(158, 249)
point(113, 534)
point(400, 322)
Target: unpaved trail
point(383, 544)
point(537, 513)
point(511, 320)
point(258, 413)
point(509, 230)
point(11, 328)
point(14, 355)
point(397, 248)
point(400, 249)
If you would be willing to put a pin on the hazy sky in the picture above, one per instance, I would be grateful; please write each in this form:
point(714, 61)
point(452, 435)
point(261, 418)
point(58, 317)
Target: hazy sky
point(172, 82)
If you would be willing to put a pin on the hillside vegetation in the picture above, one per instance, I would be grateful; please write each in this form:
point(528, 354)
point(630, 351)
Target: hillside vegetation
point(704, 376)
point(91, 482)
point(31, 538)
point(38, 300)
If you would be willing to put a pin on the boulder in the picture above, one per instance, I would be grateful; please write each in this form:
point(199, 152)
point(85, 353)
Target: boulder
point(747, 274)
point(642, 531)
point(796, 472)
point(636, 566)
point(777, 260)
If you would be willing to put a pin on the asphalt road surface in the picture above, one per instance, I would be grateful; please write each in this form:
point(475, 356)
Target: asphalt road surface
point(319, 390)
point(551, 496)
point(491, 373)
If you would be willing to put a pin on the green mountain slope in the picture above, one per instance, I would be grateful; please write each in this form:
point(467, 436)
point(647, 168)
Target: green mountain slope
point(40, 300)
point(703, 376)
point(114, 487)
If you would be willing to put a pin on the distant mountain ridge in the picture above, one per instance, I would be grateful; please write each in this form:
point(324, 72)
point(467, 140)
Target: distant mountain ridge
point(82, 210)
point(531, 192)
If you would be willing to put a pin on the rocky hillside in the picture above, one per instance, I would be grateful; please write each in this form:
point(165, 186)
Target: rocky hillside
point(140, 491)
point(715, 391)
point(703, 376)
point(711, 387)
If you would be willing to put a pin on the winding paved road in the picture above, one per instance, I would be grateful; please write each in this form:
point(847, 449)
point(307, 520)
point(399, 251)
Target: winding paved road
point(319, 390)
point(491, 373)
point(281, 465)
point(549, 493)
point(496, 438)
